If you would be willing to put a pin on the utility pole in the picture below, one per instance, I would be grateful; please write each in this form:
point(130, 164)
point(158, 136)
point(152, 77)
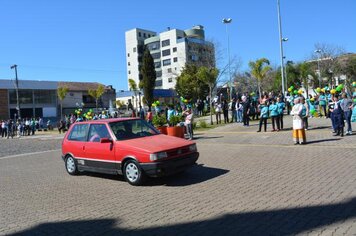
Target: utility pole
point(17, 91)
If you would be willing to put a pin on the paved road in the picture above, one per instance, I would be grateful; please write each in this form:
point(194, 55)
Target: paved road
point(246, 183)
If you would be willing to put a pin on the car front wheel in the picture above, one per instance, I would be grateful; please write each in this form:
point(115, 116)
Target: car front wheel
point(133, 173)
point(71, 166)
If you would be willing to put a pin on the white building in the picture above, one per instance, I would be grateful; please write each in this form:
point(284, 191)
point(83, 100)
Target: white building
point(171, 50)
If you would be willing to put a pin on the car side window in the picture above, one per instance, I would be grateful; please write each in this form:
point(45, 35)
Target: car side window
point(98, 131)
point(79, 133)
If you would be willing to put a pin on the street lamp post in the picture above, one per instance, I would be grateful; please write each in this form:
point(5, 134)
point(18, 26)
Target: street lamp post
point(17, 91)
point(318, 51)
point(281, 44)
point(227, 21)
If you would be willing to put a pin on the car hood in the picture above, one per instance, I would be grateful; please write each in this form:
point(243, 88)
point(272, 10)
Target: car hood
point(156, 143)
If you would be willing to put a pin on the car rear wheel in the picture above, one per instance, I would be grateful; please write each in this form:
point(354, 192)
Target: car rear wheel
point(71, 166)
point(133, 173)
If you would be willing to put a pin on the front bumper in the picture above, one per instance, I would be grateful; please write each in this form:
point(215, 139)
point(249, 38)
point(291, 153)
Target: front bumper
point(169, 167)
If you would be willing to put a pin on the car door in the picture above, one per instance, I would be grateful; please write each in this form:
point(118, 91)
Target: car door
point(100, 156)
point(76, 140)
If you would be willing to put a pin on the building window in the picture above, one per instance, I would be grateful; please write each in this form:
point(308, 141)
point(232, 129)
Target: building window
point(139, 34)
point(166, 62)
point(25, 96)
point(128, 64)
point(45, 96)
point(158, 83)
point(134, 49)
point(153, 46)
point(194, 57)
point(175, 59)
point(144, 35)
point(166, 52)
point(88, 99)
point(156, 55)
point(129, 72)
point(165, 43)
point(149, 35)
point(128, 54)
point(158, 74)
point(158, 64)
point(174, 49)
point(169, 70)
point(170, 80)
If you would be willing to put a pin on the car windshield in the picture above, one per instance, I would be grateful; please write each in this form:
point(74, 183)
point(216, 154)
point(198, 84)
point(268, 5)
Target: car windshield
point(131, 129)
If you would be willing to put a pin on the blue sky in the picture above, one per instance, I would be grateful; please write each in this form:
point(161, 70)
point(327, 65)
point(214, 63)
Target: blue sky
point(77, 40)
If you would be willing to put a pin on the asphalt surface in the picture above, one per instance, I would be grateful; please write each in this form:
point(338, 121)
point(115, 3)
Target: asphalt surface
point(245, 183)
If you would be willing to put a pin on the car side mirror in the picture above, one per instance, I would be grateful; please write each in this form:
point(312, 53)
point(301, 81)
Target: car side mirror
point(105, 140)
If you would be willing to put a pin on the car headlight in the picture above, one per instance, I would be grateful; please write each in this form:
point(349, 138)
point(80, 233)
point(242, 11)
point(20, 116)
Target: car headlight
point(157, 156)
point(193, 148)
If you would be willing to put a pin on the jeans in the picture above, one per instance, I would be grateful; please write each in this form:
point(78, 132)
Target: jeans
point(190, 131)
point(347, 115)
point(239, 116)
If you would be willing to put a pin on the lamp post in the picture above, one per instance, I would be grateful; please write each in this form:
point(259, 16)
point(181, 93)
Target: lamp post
point(17, 91)
point(284, 65)
point(318, 51)
point(281, 40)
point(227, 21)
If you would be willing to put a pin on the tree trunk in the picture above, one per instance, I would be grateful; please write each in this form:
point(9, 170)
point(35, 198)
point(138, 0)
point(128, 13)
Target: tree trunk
point(96, 104)
point(259, 90)
point(61, 110)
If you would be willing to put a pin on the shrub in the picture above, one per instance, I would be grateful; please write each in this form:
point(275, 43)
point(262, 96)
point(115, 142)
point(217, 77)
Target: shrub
point(159, 120)
point(174, 120)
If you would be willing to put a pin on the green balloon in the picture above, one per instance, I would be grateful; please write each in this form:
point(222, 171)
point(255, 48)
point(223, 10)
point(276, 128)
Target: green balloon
point(338, 89)
point(295, 91)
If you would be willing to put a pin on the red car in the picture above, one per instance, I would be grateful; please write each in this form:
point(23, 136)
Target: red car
point(131, 147)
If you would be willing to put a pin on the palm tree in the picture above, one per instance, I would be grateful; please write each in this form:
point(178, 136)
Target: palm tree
point(96, 94)
point(259, 70)
point(61, 93)
point(133, 87)
point(209, 76)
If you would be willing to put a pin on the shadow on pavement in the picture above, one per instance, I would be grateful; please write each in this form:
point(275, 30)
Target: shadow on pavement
point(323, 140)
point(206, 137)
point(275, 222)
point(194, 175)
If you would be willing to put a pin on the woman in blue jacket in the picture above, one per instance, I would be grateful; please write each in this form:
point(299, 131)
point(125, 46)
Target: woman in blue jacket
point(281, 105)
point(263, 116)
point(274, 115)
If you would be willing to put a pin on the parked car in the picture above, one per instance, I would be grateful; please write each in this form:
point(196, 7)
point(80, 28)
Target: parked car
point(127, 146)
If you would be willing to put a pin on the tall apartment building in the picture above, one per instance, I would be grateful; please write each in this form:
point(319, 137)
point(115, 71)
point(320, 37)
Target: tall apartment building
point(171, 50)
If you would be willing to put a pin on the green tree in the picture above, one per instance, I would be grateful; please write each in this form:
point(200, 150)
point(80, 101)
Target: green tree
point(189, 85)
point(96, 94)
point(62, 93)
point(133, 87)
point(259, 70)
point(148, 78)
point(208, 76)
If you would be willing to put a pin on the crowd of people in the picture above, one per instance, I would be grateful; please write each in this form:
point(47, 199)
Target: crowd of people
point(340, 108)
point(22, 127)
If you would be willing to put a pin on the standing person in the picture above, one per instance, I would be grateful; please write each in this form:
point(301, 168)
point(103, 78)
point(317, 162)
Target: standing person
point(189, 122)
point(273, 108)
point(233, 111)
point(346, 106)
point(218, 113)
point(338, 117)
point(245, 110)
point(299, 136)
point(149, 117)
point(305, 112)
point(281, 106)
point(225, 108)
point(322, 104)
point(263, 117)
point(239, 111)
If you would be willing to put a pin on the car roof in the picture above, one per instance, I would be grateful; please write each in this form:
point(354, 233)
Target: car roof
point(104, 121)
